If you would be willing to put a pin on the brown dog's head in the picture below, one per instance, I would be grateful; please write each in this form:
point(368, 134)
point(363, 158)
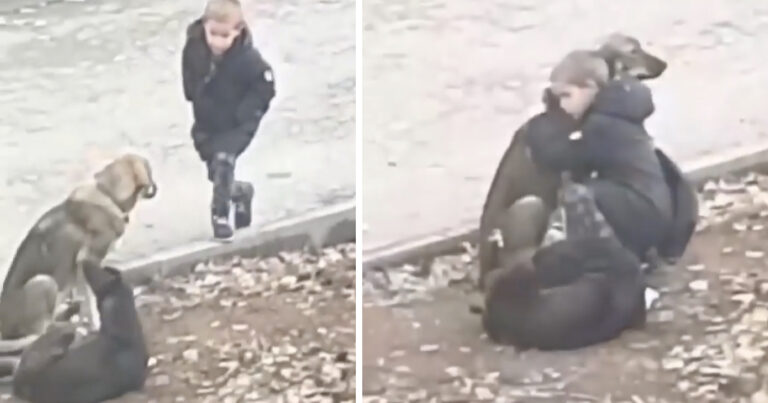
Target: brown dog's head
point(126, 179)
point(625, 56)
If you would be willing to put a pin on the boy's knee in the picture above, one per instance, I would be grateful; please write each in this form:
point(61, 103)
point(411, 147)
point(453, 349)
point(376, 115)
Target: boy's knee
point(224, 158)
point(221, 162)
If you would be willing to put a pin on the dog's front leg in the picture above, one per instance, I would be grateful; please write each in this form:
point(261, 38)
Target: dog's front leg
point(92, 253)
point(67, 305)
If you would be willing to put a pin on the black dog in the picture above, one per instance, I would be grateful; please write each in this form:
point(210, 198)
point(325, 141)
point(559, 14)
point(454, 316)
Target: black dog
point(105, 365)
point(577, 292)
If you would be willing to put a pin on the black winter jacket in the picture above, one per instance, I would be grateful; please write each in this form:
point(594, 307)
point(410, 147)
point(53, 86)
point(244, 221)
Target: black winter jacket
point(229, 97)
point(613, 143)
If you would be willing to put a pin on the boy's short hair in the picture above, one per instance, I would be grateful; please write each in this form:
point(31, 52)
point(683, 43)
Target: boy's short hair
point(579, 68)
point(223, 10)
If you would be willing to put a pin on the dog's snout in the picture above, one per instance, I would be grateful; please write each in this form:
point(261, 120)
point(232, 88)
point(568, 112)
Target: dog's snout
point(150, 191)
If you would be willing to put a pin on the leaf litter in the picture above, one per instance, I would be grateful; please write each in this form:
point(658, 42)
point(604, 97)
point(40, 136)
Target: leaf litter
point(706, 339)
point(280, 329)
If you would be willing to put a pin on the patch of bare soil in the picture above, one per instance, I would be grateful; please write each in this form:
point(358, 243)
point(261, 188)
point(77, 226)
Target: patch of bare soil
point(274, 330)
point(705, 340)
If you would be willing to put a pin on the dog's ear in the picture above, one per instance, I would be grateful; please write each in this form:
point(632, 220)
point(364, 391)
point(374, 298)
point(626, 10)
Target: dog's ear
point(143, 176)
point(141, 171)
point(117, 179)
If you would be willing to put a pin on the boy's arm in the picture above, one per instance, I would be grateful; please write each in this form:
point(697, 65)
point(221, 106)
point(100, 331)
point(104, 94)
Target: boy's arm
point(261, 91)
point(187, 71)
point(553, 140)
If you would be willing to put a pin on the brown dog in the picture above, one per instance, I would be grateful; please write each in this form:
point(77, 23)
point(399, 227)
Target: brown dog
point(48, 263)
point(517, 175)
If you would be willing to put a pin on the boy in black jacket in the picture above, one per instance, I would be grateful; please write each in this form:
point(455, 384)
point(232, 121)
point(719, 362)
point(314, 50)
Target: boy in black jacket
point(614, 156)
point(230, 87)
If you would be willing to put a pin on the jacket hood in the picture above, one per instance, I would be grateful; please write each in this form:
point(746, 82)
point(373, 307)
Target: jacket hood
point(627, 99)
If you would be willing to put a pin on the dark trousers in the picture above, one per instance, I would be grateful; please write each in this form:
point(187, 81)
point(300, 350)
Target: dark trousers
point(227, 190)
point(634, 219)
point(221, 172)
point(220, 157)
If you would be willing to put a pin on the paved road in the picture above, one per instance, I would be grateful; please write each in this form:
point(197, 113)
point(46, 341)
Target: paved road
point(81, 81)
point(447, 83)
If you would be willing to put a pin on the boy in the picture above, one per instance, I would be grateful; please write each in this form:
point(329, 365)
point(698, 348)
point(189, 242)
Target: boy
point(613, 155)
point(230, 87)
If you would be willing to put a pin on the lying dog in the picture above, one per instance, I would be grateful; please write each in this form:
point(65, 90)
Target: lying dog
point(573, 293)
point(517, 175)
point(102, 366)
point(83, 228)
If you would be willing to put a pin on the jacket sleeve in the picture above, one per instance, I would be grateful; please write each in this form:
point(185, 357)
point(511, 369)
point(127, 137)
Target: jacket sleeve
point(555, 143)
point(187, 75)
point(261, 90)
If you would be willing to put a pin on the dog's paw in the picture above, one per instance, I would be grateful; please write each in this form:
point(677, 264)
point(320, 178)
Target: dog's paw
point(72, 309)
point(496, 238)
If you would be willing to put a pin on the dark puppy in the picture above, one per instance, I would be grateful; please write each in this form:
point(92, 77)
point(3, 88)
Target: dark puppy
point(104, 365)
point(517, 175)
point(574, 293)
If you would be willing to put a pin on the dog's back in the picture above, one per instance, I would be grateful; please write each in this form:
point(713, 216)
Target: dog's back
point(566, 303)
point(52, 243)
point(97, 370)
point(516, 176)
point(103, 366)
point(555, 318)
point(48, 250)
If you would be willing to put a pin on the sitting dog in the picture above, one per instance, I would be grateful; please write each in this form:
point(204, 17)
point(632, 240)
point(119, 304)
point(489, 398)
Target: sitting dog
point(573, 293)
point(83, 228)
point(101, 366)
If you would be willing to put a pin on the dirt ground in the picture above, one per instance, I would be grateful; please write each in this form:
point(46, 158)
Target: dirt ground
point(275, 330)
point(704, 341)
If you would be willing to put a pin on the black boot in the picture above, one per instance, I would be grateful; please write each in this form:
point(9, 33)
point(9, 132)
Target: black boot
point(221, 227)
point(222, 172)
point(242, 197)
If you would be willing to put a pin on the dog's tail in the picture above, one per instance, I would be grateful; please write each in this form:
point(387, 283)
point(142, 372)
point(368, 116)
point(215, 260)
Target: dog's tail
point(10, 356)
point(15, 346)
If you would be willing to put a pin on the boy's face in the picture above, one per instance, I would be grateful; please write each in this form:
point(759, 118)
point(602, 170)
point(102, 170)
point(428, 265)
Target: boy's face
point(221, 34)
point(575, 99)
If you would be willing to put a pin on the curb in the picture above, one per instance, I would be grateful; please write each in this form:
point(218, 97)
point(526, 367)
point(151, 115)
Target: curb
point(315, 230)
point(444, 241)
